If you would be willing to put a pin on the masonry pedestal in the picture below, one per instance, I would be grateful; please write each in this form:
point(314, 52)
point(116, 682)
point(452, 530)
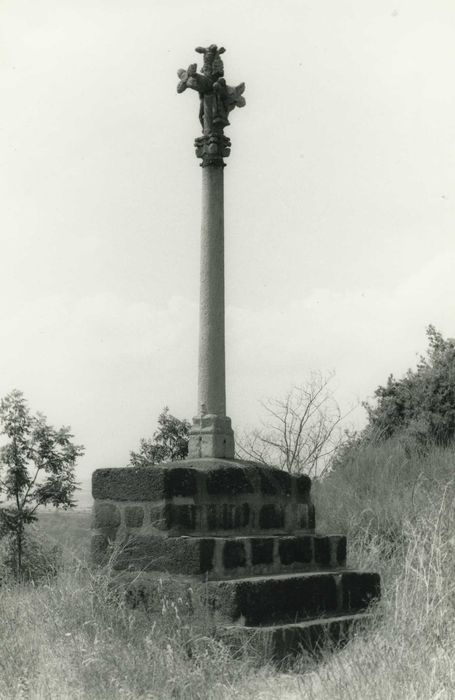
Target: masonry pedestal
point(246, 529)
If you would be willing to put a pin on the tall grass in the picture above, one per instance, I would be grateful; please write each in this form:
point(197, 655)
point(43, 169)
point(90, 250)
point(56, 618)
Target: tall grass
point(397, 506)
point(74, 637)
point(409, 650)
point(378, 487)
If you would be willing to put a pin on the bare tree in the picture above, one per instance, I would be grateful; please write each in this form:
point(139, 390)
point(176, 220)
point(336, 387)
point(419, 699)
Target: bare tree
point(300, 432)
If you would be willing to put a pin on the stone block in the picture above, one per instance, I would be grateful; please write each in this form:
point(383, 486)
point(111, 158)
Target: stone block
point(264, 498)
point(209, 495)
point(295, 550)
point(304, 549)
point(275, 482)
point(241, 515)
point(281, 643)
point(271, 516)
point(275, 599)
point(261, 550)
point(267, 485)
point(286, 549)
point(322, 553)
point(128, 484)
point(134, 516)
point(211, 436)
point(227, 516)
point(144, 483)
point(341, 552)
point(158, 517)
point(183, 518)
point(359, 589)
point(99, 548)
point(228, 482)
point(303, 485)
point(180, 555)
point(207, 552)
point(284, 481)
point(302, 516)
point(254, 555)
point(106, 515)
point(180, 481)
point(234, 554)
point(311, 517)
point(212, 516)
point(215, 445)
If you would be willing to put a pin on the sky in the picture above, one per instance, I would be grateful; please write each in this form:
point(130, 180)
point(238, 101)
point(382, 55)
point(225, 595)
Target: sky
point(339, 197)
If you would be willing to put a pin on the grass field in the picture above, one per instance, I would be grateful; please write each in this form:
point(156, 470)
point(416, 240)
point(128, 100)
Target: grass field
point(71, 637)
point(70, 528)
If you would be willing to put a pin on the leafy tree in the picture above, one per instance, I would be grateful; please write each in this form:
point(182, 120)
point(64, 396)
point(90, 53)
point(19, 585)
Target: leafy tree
point(421, 405)
point(300, 432)
point(36, 466)
point(169, 442)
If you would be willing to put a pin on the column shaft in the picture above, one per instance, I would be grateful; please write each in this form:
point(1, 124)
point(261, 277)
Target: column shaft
point(212, 379)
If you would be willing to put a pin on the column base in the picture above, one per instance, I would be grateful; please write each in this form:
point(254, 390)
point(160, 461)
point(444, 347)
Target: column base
point(211, 436)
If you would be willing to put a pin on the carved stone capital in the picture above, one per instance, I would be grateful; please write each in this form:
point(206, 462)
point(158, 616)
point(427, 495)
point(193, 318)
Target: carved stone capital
point(216, 100)
point(212, 148)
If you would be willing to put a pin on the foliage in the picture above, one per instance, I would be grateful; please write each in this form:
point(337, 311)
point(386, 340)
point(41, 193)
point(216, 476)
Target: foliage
point(301, 431)
point(421, 405)
point(42, 558)
point(169, 442)
point(37, 465)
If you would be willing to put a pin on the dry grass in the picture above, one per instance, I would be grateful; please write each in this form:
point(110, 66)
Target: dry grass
point(398, 509)
point(409, 651)
point(72, 637)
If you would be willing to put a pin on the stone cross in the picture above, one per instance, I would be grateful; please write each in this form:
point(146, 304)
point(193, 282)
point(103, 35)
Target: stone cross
point(241, 534)
point(211, 434)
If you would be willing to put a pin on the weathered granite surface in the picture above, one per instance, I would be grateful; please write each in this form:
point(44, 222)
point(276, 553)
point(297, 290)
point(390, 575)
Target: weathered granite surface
point(246, 530)
point(200, 497)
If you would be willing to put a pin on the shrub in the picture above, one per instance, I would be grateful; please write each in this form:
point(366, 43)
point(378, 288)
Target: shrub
point(41, 558)
point(421, 405)
point(37, 466)
point(169, 442)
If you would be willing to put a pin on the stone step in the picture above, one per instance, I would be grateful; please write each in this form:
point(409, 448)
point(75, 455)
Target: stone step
point(228, 557)
point(201, 497)
point(282, 641)
point(290, 598)
point(199, 479)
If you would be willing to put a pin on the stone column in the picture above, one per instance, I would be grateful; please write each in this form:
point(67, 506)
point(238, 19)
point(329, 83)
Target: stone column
point(211, 434)
point(212, 384)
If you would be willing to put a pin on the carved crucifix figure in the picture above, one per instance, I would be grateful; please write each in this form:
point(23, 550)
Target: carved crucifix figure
point(211, 434)
point(217, 99)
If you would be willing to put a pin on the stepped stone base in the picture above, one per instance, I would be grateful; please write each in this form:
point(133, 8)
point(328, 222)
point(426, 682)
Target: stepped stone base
point(285, 598)
point(224, 557)
point(246, 529)
point(285, 641)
